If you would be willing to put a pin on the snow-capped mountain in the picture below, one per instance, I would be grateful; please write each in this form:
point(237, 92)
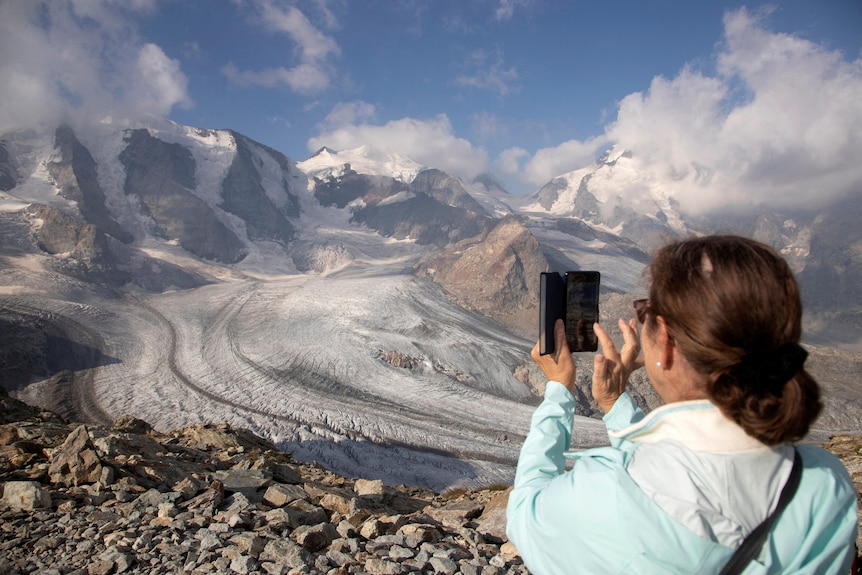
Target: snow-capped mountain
point(617, 195)
point(357, 308)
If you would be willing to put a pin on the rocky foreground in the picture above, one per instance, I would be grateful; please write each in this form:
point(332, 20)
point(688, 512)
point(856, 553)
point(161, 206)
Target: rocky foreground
point(88, 500)
point(211, 499)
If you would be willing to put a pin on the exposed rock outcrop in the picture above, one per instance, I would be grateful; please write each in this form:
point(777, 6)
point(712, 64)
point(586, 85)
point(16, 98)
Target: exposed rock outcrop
point(495, 274)
point(8, 171)
point(445, 189)
point(84, 246)
point(423, 219)
point(434, 209)
point(349, 186)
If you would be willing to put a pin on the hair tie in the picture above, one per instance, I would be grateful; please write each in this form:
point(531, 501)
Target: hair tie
point(770, 370)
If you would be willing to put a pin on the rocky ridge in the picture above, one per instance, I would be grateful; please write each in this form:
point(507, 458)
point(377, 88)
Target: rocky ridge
point(91, 500)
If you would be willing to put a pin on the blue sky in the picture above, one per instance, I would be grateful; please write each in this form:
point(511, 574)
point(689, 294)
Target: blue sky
point(526, 89)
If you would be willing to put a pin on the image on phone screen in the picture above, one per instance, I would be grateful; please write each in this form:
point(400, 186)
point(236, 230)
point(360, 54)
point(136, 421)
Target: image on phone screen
point(582, 310)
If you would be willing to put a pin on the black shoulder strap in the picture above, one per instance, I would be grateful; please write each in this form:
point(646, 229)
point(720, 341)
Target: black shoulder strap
point(755, 540)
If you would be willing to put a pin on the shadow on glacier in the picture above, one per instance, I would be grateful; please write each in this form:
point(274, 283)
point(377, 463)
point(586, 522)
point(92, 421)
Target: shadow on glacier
point(29, 353)
point(394, 464)
point(66, 354)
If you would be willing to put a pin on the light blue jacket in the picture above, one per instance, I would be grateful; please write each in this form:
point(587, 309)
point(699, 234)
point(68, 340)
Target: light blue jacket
point(676, 492)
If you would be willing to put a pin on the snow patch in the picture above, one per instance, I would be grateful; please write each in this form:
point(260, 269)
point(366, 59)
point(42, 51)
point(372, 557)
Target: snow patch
point(364, 160)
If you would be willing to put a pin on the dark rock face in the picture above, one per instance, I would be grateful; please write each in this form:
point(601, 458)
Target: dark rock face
point(549, 193)
point(88, 245)
point(8, 173)
point(351, 186)
point(445, 189)
point(162, 176)
point(84, 249)
point(423, 219)
point(586, 204)
point(432, 210)
point(243, 195)
point(59, 233)
point(75, 174)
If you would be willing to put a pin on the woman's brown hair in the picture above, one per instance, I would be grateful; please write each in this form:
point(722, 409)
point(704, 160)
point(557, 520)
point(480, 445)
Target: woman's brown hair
point(733, 307)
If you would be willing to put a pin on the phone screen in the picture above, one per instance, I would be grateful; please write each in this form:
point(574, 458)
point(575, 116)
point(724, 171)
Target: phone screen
point(582, 310)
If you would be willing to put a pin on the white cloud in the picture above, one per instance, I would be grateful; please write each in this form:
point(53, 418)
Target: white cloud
point(347, 113)
point(780, 124)
point(313, 71)
point(327, 14)
point(674, 125)
point(429, 142)
point(509, 160)
point(314, 45)
point(81, 62)
point(305, 79)
point(549, 163)
point(506, 8)
point(160, 85)
point(486, 125)
point(482, 74)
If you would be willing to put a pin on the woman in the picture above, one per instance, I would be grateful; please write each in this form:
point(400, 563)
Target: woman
point(678, 490)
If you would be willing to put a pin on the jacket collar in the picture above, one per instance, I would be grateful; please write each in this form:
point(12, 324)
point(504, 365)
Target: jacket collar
point(698, 425)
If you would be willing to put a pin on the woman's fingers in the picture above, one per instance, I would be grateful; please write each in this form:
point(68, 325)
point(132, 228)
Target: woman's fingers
point(631, 346)
point(608, 347)
point(611, 368)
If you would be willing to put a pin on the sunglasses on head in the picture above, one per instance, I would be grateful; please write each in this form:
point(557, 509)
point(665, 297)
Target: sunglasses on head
point(641, 307)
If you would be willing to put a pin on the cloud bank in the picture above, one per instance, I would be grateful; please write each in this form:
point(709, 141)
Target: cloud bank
point(779, 124)
point(430, 142)
point(80, 62)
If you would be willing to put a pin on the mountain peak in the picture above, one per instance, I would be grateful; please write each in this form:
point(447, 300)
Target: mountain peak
point(363, 159)
point(490, 183)
point(323, 151)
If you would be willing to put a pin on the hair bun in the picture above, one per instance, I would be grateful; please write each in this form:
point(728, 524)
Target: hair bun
point(769, 371)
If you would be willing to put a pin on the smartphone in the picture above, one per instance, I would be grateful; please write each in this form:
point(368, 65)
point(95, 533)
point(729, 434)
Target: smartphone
point(575, 300)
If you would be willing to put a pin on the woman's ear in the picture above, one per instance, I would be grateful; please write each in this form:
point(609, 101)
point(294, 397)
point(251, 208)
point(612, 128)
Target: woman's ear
point(665, 344)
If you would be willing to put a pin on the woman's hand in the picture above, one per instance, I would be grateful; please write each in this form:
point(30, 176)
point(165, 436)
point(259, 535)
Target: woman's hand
point(611, 369)
point(557, 366)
